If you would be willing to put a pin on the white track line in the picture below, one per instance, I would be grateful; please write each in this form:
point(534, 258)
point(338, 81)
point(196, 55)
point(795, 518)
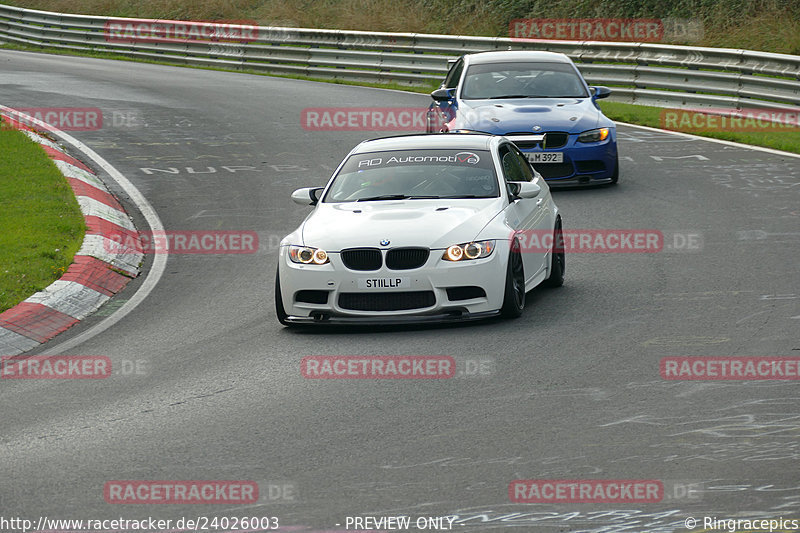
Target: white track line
point(711, 139)
point(150, 215)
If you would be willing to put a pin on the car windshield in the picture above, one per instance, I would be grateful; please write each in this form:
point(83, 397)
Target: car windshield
point(522, 80)
point(415, 174)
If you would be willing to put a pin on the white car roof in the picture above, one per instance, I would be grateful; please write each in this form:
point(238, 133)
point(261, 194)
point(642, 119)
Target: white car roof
point(455, 141)
point(516, 55)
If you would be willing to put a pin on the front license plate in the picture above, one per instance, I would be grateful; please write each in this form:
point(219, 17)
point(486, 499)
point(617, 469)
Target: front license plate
point(383, 283)
point(545, 157)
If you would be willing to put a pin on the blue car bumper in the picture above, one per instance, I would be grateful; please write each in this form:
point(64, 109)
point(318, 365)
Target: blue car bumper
point(582, 164)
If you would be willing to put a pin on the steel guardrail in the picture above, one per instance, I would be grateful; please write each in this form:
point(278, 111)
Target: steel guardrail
point(641, 73)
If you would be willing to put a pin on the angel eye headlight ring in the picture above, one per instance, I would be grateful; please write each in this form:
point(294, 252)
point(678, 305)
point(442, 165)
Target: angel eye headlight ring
point(307, 255)
point(468, 251)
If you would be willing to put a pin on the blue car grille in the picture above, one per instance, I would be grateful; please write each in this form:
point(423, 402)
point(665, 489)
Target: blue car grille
point(553, 139)
point(556, 139)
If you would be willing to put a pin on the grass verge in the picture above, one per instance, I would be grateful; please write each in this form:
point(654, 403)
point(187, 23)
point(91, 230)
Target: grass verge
point(788, 141)
point(41, 225)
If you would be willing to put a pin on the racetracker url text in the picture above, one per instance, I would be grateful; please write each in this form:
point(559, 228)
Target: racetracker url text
point(200, 523)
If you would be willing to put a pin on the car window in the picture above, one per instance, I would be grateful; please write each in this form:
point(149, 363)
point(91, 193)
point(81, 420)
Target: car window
point(525, 166)
point(451, 81)
point(415, 174)
point(512, 170)
point(522, 79)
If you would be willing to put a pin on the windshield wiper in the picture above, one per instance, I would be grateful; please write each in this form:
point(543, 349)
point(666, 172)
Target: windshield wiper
point(511, 96)
point(532, 96)
point(393, 197)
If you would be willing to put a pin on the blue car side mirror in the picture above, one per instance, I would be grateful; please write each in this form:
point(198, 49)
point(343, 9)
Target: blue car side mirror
point(600, 92)
point(440, 95)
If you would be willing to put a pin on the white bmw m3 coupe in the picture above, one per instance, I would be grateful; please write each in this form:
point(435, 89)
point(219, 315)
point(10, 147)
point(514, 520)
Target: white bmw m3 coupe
point(420, 228)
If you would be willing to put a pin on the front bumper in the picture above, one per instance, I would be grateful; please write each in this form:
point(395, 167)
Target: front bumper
point(440, 318)
point(577, 180)
point(331, 293)
point(584, 163)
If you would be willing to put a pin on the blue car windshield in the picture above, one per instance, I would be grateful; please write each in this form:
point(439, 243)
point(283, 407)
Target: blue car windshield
point(522, 80)
point(415, 174)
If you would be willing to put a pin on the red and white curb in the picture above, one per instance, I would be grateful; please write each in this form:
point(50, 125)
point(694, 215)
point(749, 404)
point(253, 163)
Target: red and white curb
point(100, 269)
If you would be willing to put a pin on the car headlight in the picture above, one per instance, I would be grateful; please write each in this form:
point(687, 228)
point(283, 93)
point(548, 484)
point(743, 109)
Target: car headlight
point(307, 255)
point(469, 250)
point(593, 136)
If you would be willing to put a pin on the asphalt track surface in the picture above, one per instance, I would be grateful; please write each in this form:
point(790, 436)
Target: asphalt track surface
point(571, 390)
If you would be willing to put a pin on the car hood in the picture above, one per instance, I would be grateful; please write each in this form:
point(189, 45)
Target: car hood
point(573, 115)
point(431, 223)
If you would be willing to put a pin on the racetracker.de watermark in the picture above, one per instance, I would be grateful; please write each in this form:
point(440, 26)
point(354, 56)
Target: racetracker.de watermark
point(184, 242)
point(586, 491)
point(180, 492)
point(363, 118)
point(55, 367)
point(75, 118)
point(730, 368)
point(740, 120)
point(378, 367)
point(62, 118)
point(606, 29)
point(170, 31)
point(588, 29)
point(591, 241)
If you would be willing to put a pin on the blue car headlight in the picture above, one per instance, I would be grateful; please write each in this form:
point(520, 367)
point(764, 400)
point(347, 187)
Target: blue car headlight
point(593, 136)
point(469, 250)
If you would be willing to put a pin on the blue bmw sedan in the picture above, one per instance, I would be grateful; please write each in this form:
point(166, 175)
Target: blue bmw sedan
point(538, 100)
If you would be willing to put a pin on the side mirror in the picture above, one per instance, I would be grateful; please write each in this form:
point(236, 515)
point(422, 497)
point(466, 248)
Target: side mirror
point(307, 195)
point(600, 92)
point(440, 95)
point(524, 189)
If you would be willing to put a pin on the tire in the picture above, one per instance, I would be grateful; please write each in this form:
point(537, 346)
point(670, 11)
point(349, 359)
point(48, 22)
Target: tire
point(514, 299)
point(557, 259)
point(279, 310)
point(615, 175)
